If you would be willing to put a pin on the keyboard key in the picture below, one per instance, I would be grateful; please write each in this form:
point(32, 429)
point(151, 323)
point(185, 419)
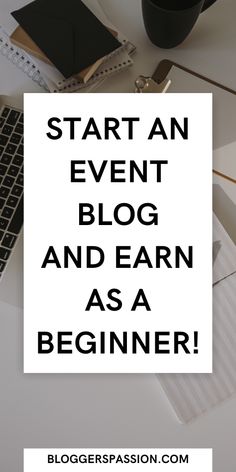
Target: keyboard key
point(2, 202)
point(1, 235)
point(9, 241)
point(1, 180)
point(17, 220)
point(4, 192)
point(2, 266)
point(20, 180)
point(8, 181)
point(4, 253)
point(21, 119)
point(13, 171)
point(1, 150)
point(12, 201)
point(7, 130)
point(5, 112)
point(2, 121)
point(3, 169)
point(11, 148)
point(18, 160)
point(19, 128)
point(3, 140)
point(6, 159)
point(7, 213)
point(20, 150)
point(3, 223)
point(17, 190)
point(15, 139)
point(13, 117)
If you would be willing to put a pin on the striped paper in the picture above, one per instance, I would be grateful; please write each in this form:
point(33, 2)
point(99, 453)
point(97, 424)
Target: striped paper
point(224, 253)
point(193, 394)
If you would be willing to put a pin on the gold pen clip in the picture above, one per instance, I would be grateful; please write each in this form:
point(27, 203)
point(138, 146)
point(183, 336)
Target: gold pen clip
point(148, 85)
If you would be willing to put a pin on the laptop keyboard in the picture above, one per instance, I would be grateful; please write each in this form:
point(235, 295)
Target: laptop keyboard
point(11, 181)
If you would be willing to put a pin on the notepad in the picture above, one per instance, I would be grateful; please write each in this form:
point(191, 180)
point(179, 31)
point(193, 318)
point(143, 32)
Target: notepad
point(32, 69)
point(67, 32)
point(116, 64)
point(49, 77)
point(21, 39)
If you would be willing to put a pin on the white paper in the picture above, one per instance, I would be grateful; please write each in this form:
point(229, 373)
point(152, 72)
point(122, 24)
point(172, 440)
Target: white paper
point(224, 203)
point(224, 253)
point(193, 394)
point(225, 160)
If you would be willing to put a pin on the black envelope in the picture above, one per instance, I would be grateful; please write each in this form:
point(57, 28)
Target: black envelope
point(67, 32)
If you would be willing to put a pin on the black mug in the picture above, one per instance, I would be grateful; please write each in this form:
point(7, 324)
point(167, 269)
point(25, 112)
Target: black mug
point(169, 22)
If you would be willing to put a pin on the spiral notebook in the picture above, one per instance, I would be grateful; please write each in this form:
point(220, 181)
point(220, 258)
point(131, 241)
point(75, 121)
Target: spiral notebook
point(31, 68)
point(51, 80)
point(116, 63)
point(21, 60)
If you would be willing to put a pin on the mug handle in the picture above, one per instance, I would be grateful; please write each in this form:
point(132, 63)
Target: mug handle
point(208, 4)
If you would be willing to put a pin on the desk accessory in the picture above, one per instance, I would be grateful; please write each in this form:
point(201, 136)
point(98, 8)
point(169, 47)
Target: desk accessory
point(50, 78)
point(32, 68)
point(117, 63)
point(73, 29)
point(169, 22)
point(184, 80)
point(149, 85)
point(21, 39)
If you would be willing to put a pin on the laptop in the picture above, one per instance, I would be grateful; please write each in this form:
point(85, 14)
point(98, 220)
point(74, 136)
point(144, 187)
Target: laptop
point(11, 200)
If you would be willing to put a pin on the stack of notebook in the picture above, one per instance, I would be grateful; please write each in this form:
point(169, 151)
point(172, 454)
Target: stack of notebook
point(71, 42)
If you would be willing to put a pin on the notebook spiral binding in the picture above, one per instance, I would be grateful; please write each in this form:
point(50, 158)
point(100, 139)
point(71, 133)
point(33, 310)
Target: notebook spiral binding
point(21, 60)
point(104, 70)
point(17, 57)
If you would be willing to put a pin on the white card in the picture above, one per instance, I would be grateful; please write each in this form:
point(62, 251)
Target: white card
point(151, 236)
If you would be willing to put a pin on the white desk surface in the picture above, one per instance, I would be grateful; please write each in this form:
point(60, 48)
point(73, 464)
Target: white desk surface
point(114, 411)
